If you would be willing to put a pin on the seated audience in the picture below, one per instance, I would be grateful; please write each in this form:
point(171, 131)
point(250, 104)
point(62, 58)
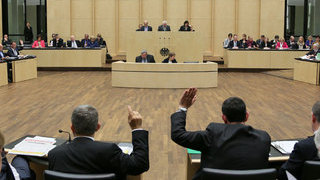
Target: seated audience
point(6, 41)
point(146, 26)
point(304, 150)
point(39, 43)
point(265, 44)
point(51, 41)
point(300, 44)
point(164, 26)
point(234, 44)
point(227, 40)
point(85, 41)
point(259, 41)
point(292, 44)
point(314, 51)
point(17, 169)
point(58, 42)
point(13, 51)
point(93, 43)
point(282, 44)
point(2, 54)
point(145, 58)
point(100, 40)
point(73, 43)
point(171, 58)
point(243, 41)
point(232, 145)
point(139, 27)
point(275, 41)
point(85, 155)
point(186, 26)
point(309, 42)
point(251, 44)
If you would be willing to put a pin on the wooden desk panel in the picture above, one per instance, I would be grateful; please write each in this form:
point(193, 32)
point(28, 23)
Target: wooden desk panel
point(308, 72)
point(137, 75)
point(24, 70)
point(284, 59)
point(3, 74)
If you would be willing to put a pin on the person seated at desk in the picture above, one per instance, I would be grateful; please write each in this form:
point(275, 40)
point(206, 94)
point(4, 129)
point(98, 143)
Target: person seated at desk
point(85, 155)
point(145, 58)
point(232, 145)
point(292, 44)
point(317, 40)
point(58, 42)
point(2, 54)
point(101, 41)
point(300, 44)
point(309, 42)
point(314, 52)
point(234, 44)
point(282, 44)
point(259, 41)
point(227, 40)
point(13, 51)
point(73, 43)
point(39, 43)
point(164, 26)
point(275, 41)
point(186, 26)
point(265, 44)
point(6, 41)
point(171, 59)
point(243, 41)
point(146, 26)
point(18, 169)
point(85, 41)
point(304, 150)
point(250, 44)
point(93, 43)
point(53, 35)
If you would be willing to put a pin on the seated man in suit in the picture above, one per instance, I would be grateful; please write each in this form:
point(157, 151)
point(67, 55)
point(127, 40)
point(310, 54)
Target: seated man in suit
point(6, 41)
point(93, 43)
point(84, 155)
point(292, 43)
point(145, 26)
point(171, 59)
point(232, 145)
point(259, 41)
point(145, 58)
point(164, 26)
point(234, 44)
point(85, 41)
point(304, 150)
point(227, 40)
point(18, 169)
point(314, 52)
point(2, 54)
point(265, 44)
point(73, 43)
point(58, 42)
point(13, 51)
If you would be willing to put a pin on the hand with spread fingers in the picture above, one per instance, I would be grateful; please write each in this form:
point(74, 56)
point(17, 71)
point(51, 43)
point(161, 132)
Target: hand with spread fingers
point(188, 98)
point(134, 119)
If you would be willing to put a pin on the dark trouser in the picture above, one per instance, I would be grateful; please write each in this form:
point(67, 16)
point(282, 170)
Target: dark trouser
point(23, 169)
point(9, 64)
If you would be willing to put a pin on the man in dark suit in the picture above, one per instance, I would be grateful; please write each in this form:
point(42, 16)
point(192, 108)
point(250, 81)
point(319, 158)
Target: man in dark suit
point(6, 41)
point(164, 26)
point(292, 44)
point(234, 44)
point(73, 43)
point(2, 54)
point(265, 44)
point(171, 58)
point(85, 41)
point(13, 51)
point(304, 150)
point(259, 41)
point(84, 155)
point(145, 58)
point(58, 42)
point(145, 26)
point(232, 145)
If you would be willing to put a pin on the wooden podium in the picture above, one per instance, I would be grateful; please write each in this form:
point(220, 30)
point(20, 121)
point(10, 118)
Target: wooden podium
point(307, 71)
point(188, 46)
point(3, 74)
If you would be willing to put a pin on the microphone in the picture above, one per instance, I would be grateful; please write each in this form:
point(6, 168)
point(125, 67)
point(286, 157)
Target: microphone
point(62, 131)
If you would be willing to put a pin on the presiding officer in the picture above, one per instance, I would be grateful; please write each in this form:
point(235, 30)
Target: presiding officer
point(145, 58)
point(171, 58)
point(85, 155)
point(232, 145)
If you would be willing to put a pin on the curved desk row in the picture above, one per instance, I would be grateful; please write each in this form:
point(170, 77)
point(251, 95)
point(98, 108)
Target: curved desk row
point(158, 75)
point(261, 59)
point(307, 71)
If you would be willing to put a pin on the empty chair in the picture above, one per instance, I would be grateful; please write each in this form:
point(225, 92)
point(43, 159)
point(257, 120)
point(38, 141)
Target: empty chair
point(261, 174)
point(311, 170)
point(54, 175)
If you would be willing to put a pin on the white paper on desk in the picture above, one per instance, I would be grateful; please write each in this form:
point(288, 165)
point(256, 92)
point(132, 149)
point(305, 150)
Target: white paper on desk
point(37, 146)
point(126, 148)
point(305, 57)
point(285, 147)
point(290, 176)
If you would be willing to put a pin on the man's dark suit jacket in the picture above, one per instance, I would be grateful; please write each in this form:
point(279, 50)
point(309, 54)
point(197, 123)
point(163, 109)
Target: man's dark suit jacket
point(223, 146)
point(183, 29)
point(167, 61)
point(150, 59)
point(313, 52)
point(6, 172)
point(263, 45)
point(294, 45)
point(58, 43)
point(231, 44)
point(83, 41)
point(149, 28)
point(77, 42)
point(11, 54)
point(304, 150)
point(85, 156)
point(161, 28)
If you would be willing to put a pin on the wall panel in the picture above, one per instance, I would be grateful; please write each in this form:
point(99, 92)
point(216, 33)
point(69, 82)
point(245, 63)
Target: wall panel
point(249, 18)
point(177, 12)
point(152, 10)
point(82, 17)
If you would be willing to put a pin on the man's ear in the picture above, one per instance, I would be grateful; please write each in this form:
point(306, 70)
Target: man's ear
point(98, 126)
point(72, 129)
point(314, 119)
point(225, 119)
point(247, 117)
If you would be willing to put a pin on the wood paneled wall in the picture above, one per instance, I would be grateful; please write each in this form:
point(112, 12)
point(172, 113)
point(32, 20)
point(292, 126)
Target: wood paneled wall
point(213, 18)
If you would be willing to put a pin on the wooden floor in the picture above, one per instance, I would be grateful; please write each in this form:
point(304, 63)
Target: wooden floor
point(42, 106)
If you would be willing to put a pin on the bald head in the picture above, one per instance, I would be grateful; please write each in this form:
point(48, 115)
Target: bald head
point(72, 38)
point(84, 120)
point(145, 23)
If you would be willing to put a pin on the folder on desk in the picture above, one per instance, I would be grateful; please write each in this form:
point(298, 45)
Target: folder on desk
point(285, 147)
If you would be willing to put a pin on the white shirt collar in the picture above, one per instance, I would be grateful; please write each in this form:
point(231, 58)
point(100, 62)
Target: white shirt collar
point(89, 137)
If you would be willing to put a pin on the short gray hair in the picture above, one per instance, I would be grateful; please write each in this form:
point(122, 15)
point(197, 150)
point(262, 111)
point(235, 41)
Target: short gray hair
point(144, 51)
point(316, 110)
point(85, 120)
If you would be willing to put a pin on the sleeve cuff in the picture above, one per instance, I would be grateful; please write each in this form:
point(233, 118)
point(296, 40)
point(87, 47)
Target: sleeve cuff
point(182, 109)
point(139, 129)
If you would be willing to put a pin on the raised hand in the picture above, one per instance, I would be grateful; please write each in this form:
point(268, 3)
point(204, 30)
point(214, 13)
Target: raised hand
point(134, 119)
point(188, 98)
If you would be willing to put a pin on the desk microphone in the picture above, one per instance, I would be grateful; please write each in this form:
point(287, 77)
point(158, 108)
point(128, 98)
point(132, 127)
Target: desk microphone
point(62, 131)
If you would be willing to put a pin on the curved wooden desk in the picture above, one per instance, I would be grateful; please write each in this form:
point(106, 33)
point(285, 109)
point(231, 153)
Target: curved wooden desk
point(180, 75)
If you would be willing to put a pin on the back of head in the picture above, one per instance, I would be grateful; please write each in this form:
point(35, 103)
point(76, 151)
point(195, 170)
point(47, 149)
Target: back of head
point(1, 140)
point(84, 120)
point(234, 109)
point(316, 111)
